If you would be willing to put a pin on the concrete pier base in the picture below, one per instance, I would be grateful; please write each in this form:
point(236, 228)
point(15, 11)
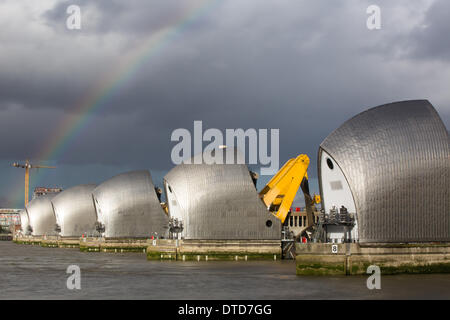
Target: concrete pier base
point(210, 250)
point(113, 245)
point(353, 258)
point(48, 241)
point(6, 237)
point(164, 249)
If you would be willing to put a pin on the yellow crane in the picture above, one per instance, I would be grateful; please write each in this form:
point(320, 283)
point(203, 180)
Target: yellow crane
point(279, 193)
point(27, 166)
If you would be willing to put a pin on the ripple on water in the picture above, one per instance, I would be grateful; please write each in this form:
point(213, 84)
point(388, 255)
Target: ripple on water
point(32, 272)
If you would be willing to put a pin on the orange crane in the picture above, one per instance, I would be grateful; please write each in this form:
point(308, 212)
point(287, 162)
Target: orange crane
point(27, 166)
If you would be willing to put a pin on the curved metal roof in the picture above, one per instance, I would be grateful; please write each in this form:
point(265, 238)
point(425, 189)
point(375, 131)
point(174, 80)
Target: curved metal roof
point(41, 215)
point(24, 221)
point(396, 160)
point(75, 212)
point(128, 207)
point(218, 201)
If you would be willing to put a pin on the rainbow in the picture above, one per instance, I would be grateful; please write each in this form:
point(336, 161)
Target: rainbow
point(80, 114)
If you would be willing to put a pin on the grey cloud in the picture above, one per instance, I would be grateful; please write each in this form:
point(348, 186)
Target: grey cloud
point(301, 66)
point(132, 17)
point(431, 37)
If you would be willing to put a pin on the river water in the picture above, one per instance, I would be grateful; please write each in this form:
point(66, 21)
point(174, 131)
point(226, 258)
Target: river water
point(33, 272)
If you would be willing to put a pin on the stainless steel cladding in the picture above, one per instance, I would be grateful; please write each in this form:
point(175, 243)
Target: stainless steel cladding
point(218, 201)
point(395, 161)
point(75, 211)
point(127, 207)
point(24, 221)
point(41, 215)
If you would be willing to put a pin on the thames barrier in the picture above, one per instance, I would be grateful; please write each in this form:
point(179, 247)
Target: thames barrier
point(384, 180)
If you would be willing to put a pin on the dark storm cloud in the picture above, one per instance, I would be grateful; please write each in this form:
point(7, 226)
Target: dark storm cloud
point(431, 38)
point(301, 66)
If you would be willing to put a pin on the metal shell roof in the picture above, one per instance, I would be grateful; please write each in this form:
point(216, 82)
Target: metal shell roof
point(218, 201)
point(24, 221)
point(74, 210)
point(128, 207)
point(396, 160)
point(41, 215)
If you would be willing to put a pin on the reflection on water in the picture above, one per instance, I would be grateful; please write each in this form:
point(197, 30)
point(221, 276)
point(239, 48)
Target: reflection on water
point(33, 272)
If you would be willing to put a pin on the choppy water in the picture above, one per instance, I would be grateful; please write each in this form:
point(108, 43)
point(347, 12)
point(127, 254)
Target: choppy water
point(33, 272)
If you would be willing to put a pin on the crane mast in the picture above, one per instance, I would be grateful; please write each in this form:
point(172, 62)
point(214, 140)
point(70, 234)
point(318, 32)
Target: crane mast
point(27, 166)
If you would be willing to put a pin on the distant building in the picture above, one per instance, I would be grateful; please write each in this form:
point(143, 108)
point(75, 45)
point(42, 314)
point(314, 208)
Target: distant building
point(298, 220)
point(40, 191)
point(9, 220)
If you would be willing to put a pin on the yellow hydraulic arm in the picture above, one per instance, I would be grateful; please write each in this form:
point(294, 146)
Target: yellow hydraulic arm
point(279, 193)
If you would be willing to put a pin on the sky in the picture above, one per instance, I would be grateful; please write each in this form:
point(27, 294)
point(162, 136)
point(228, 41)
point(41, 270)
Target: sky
point(303, 67)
